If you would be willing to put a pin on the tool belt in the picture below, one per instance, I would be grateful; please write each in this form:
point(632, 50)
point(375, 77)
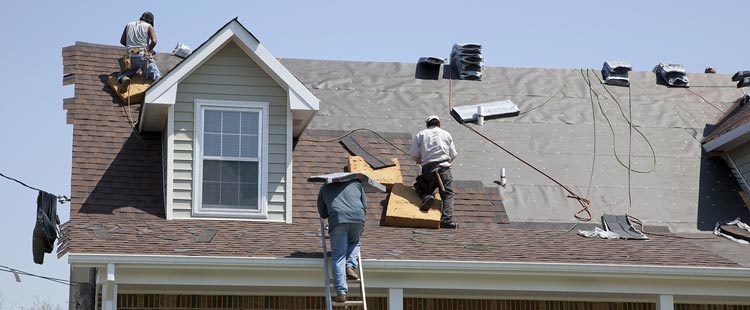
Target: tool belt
point(137, 50)
point(433, 166)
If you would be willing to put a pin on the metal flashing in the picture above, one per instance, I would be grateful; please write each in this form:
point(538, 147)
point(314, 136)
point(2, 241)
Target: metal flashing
point(488, 110)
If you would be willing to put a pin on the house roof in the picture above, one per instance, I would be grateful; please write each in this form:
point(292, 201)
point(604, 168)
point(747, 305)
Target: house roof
point(117, 199)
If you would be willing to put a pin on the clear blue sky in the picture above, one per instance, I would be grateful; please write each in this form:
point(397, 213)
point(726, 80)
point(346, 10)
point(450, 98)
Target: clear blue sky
point(36, 141)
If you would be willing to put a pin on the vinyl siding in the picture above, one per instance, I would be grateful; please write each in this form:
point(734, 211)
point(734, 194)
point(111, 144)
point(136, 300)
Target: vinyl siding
point(229, 75)
point(741, 158)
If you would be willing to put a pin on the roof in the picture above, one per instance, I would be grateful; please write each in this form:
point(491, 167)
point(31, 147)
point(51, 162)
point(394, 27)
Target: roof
point(117, 199)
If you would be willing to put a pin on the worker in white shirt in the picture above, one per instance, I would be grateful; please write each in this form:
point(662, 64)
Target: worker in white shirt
point(433, 149)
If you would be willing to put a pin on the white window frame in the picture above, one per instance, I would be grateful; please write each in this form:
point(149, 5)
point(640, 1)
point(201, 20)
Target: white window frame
point(240, 106)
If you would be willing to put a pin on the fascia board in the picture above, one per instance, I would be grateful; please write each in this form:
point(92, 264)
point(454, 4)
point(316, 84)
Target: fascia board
point(726, 141)
point(409, 266)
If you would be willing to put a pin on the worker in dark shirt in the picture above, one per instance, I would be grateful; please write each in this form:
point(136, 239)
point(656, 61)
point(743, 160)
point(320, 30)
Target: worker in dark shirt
point(343, 204)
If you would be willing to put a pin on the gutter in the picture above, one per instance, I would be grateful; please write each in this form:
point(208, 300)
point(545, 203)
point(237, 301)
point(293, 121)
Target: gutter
point(414, 266)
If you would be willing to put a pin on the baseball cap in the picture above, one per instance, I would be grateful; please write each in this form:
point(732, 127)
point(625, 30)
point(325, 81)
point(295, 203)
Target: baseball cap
point(431, 117)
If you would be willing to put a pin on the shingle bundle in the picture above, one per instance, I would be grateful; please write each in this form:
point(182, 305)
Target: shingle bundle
point(616, 73)
point(673, 74)
point(468, 60)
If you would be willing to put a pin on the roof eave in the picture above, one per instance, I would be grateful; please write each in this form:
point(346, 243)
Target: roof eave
point(729, 140)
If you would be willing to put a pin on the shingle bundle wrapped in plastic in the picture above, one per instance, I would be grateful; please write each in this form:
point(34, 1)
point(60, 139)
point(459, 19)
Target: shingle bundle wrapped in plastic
point(468, 60)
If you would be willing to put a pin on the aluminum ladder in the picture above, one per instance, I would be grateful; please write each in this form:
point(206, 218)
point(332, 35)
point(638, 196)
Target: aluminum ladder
point(328, 281)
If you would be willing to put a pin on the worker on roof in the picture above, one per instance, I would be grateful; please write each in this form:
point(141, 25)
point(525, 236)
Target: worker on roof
point(343, 204)
point(139, 38)
point(434, 150)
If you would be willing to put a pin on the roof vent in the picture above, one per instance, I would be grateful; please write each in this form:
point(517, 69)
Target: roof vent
point(744, 100)
point(468, 60)
point(672, 74)
point(742, 78)
point(616, 73)
point(431, 61)
point(710, 70)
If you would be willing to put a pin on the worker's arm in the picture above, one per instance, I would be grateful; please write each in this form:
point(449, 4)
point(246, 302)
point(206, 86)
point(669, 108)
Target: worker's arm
point(123, 38)
point(414, 149)
point(152, 35)
point(364, 196)
point(452, 150)
point(322, 208)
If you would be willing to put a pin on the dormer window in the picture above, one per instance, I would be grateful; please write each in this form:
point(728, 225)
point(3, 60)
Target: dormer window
point(230, 158)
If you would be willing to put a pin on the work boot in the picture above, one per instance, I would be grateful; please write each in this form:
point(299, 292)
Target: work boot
point(350, 274)
point(452, 225)
point(340, 298)
point(426, 203)
point(124, 84)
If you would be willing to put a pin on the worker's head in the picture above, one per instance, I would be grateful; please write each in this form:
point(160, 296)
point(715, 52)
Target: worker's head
point(148, 17)
point(433, 120)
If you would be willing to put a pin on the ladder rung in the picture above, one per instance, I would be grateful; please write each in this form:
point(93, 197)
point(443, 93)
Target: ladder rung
point(348, 281)
point(348, 303)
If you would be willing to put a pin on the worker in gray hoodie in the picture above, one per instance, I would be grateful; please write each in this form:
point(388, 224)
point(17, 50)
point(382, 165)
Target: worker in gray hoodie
point(343, 204)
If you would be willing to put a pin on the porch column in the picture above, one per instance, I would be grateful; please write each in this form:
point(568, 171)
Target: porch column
point(109, 289)
point(665, 302)
point(395, 299)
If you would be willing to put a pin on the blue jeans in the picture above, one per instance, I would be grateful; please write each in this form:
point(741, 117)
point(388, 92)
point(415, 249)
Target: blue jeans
point(344, 252)
point(138, 61)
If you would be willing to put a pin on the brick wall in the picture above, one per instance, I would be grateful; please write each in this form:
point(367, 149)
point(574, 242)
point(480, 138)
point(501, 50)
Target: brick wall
point(221, 302)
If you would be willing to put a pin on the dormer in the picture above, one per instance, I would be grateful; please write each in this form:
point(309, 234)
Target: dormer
point(228, 114)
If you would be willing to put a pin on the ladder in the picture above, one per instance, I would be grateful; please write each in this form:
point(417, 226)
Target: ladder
point(327, 282)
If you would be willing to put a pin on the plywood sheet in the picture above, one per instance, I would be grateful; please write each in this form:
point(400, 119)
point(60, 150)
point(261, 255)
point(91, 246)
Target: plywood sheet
point(386, 176)
point(136, 91)
point(403, 209)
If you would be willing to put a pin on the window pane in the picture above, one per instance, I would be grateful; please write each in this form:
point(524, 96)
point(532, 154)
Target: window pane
point(212, 121)
point(211, 193)
point(249, 195)
point(231, 122)
point(230, 172)
point(212, 144)
point(230, 194)
point(250, 122)
point(230, 145)
point(211, 170)
point(249, 146)
point(249, 172)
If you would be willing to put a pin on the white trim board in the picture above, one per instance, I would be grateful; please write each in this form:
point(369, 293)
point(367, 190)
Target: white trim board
point(417, 276)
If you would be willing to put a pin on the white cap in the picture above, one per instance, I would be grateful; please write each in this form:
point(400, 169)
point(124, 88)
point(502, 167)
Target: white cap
point(431, 117)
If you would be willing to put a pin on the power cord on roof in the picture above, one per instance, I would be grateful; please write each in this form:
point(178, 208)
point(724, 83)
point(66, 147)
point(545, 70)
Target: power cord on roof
point(583, 214)
point(309, 138)
point(548, 99)
point(131, 122)
point(60, 198)
point(611, 127)
point(704, 100)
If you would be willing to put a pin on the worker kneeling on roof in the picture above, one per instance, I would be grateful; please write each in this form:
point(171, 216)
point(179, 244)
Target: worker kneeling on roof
point(433, 148)
point(139, 38)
